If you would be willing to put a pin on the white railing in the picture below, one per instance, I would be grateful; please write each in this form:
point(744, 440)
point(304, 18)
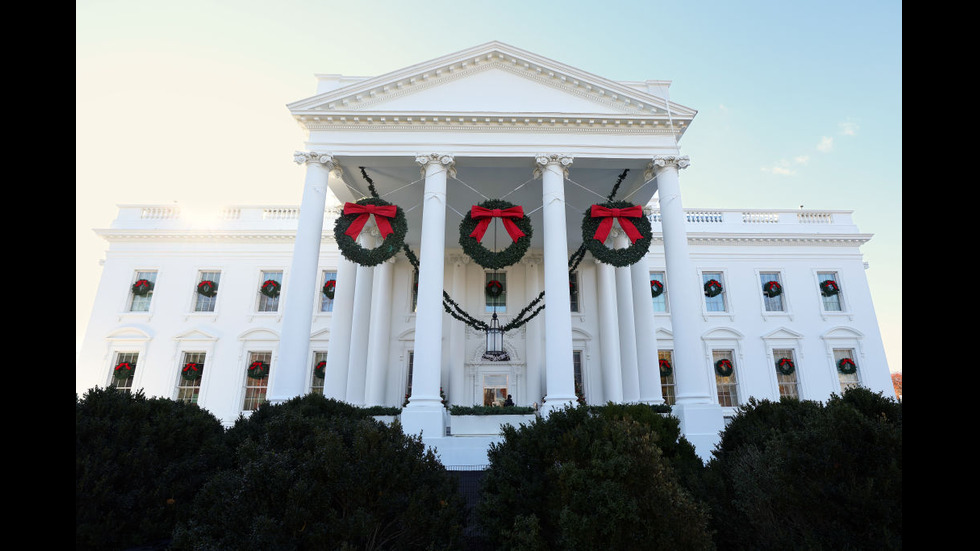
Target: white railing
point(760, 218)
point(280, 214)
point(160, 213)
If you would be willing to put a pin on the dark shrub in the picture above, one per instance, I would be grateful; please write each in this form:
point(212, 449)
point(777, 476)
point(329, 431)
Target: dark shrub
point(587, 479)
point(138, 464)
point(313, 474)
point(798, 475)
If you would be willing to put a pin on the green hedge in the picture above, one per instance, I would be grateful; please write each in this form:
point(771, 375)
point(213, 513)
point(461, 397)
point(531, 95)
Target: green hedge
point(490, 410)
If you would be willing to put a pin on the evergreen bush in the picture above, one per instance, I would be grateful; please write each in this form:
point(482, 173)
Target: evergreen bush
point(138, 464)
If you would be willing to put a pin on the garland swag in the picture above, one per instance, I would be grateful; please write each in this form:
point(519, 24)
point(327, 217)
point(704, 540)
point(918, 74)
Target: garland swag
point(192, 371)
point(656, 288)
point(142, 287)
point(772, 289)
point(846, 366)
point(270, 288)
point(474, 225)
point(391, 223)
point(712, 288)
point(724, 368)
point(258, 370)
point(829, 288)
point(597, 223)
point(785, 366)
point(207, 288)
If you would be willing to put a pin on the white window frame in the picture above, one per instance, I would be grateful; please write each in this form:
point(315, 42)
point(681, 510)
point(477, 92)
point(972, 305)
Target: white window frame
point(322, 299)
point(262, 277)
point(818, 276)
point(722, 278)
point(661, 275)
point(785, 312)
point(126, 340)
point(317, 385)
point(182, 383)
point(192, 341)
point(776, 354)
point(577, 279)
point(250, 357)
point(488, 274)
point(130, 297)
point(728, 340)
point(844, 338)
point(671, 384)
point(117, 357)
point(195, 295)
point(253, 340)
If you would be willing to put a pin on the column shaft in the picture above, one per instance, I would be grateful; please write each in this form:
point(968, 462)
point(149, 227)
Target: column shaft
point(378, 345)
point(627, 334)
point(533, 334)
point(457, 336)
point(648, 363)
point(338, 351)
point(360, 327)
point(612, 372)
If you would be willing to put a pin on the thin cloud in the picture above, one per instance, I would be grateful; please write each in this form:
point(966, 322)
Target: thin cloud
point(848, 128)
point(826, 144)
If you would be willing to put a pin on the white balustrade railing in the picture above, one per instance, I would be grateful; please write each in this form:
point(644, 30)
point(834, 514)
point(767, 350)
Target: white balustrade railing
point(280, 214)
point(160, 213)
point(760, 218)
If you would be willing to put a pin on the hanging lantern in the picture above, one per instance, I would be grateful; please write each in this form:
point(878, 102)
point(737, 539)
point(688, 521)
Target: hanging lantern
point(495, 342)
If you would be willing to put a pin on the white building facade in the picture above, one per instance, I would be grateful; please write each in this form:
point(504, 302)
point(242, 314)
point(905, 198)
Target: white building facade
point(252, 291)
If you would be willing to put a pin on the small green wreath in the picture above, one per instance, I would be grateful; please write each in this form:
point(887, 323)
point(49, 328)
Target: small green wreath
point(665, 368)
point(330, 288)
point(598, 221)
point(712, 288)
point(846, 366)
point(724, 368)
point(270, 288)
point(785, 366)
point(483, 256)
point(142, 287)
point(354, 215)
point(656, 288)
point(258, 370)
point(124, 370)
point(495, 289)
point(320, 371)
point(772, 289)
point(192, 371)
point(829, 288)
point(207, 288)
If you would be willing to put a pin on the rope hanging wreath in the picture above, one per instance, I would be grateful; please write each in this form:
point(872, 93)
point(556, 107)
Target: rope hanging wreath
point(474, 225)
point(846, 366)
point(192, 371)
point(597, 223)
point(724, 368)
point(772, 289)
point(207, 288)
point(391, 223)
point(785, 366)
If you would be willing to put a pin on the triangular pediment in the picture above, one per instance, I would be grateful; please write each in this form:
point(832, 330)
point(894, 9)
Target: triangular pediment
point(493, 79)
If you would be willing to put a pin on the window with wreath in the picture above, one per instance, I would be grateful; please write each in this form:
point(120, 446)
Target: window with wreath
point(269, 290)
point(573, 291)
point(714, 291)
point(496, 291)
point(206, 292)
point(415, 290)
point(847, 369)
point(829, 287)
point(328, 291)
point(772, 291)
point(408, 383)
point(667, 388)
point(123, 371)
point(141, 291)
point(724, 366)
point(658, 290)
point(256, 379)
point(191, 373)
point(785, 365)
point(319, 372)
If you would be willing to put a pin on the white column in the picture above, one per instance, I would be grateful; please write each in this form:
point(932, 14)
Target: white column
point(627, 334)
point(533, 332)
point(288, 379)
point(424, 412)
point(360, 324)
point(457, 334)
point(560, 377)
point(648, 363)
point(378, 345)
point(612, 372)
point(338, 351)
point(700, 416)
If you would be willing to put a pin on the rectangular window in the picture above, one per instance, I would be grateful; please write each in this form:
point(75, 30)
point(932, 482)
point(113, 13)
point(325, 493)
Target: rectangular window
point(207, 284)
point(326, 302)
point(666, 358)
point(189, 381)
point(658, 284)
point(573, 291)
point(415, 290)
point(408, 385)
point(771, 285)
point(123, 371)
point(844, 361)
point(140, 295)
point(255, 389)
point(496, 304)
point(727, 389)
point(494, 390)
point(714, 303)
point(319, 370)
point(270, 303)
point(831, 301)
point(786, 373)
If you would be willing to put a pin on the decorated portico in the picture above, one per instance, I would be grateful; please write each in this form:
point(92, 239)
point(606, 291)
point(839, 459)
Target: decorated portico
point(436, 139)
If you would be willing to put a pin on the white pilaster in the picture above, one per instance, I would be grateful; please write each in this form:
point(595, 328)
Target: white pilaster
point(612, 373)
point(457, 335)
point(533, 332)
point(627, 335)
point(648, 363)
point(378, 339)
point(700, 416)
point(288, 379)
point(424, 412)
point(360, 324)
point(338, 351)
point(560, 378)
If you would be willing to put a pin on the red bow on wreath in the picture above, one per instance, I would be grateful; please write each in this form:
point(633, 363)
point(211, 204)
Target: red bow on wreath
point(382, 214)
point(483, 216)
point(608, 214)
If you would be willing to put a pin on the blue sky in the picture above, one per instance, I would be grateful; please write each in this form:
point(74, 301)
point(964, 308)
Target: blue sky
point(799, 103)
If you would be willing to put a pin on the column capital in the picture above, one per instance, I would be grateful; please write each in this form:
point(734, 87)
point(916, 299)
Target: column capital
point(446, 160)
point(543, 160)
point(310, 157)
point(661, 162)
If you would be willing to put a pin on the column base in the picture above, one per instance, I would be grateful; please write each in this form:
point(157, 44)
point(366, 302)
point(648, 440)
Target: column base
point(701, 425)
point(428, 421)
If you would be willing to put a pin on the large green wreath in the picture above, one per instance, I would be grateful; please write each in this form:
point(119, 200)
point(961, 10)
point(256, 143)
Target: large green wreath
point(388, 248)
point(616, 257)
point(485, 257)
